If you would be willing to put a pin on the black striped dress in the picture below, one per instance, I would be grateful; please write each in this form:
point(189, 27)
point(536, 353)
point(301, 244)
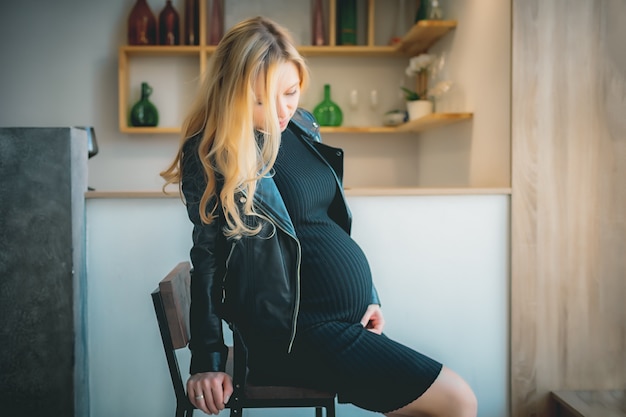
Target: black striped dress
point(332, 350)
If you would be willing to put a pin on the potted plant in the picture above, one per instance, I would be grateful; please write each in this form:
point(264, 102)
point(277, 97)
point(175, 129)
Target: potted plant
point(410, 95)
point(417, 101)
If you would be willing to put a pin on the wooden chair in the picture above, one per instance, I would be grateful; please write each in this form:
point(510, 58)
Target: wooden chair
point(171, 303)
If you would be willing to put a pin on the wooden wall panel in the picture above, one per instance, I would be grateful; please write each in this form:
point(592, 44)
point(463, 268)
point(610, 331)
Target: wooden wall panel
point(568, 290)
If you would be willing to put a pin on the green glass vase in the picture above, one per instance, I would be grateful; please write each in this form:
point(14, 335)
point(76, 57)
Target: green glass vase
point(328, 113)
point(144, 113)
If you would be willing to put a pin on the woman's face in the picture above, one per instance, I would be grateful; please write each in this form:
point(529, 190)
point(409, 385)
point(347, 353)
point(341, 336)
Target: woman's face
point(288, 89)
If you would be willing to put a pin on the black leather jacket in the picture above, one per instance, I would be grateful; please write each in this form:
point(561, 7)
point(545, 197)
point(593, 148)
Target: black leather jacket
point(253, 282)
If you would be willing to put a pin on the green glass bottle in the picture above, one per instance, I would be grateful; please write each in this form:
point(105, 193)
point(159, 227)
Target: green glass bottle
point(144, 113)
point(421, 13)
point(346, 16)
point(328, 113)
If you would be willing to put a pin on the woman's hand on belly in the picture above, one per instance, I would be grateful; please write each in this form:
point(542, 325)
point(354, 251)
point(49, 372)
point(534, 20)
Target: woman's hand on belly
point(373, 319)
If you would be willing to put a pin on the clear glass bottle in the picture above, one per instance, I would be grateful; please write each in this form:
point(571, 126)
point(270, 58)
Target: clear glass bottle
point(144, 112)
point(142, 26)
point(328, 113)
point(169, 25)
point(435, 12)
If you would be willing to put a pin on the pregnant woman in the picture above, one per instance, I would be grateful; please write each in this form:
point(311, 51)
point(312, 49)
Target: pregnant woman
point(272, 251)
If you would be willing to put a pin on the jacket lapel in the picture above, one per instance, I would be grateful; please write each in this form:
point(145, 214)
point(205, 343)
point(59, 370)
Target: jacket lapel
point(268, 199)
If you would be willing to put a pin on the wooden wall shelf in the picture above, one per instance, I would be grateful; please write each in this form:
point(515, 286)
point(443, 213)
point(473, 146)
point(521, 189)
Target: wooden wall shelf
point(433, 121)
point(423, 35)
point(417, 40)
point(422, 124)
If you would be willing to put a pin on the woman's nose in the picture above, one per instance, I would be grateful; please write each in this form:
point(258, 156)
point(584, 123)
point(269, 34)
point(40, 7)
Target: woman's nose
point(282, 108)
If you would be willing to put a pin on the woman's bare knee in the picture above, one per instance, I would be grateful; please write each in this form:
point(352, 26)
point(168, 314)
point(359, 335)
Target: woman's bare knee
point(448, 396)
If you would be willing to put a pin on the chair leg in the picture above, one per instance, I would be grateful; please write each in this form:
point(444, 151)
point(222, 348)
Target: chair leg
point(330, 410)
point(318, 412)
point(184, 410)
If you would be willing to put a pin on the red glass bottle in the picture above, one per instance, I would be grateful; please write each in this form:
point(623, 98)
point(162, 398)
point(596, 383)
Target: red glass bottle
point(319, 32)
point(217, 22)
point(192, 23)
point(169, 25)
point(142, 27)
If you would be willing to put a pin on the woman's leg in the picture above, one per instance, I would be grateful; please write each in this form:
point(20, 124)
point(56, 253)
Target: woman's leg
point(448, 396)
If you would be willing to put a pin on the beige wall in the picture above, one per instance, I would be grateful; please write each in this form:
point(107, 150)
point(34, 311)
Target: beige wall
point(63, 71)
point(568, 320)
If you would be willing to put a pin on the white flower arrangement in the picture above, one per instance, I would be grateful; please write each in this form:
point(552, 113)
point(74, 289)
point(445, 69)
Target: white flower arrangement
point(424, 67)
point(419, 64)
point(419, 67)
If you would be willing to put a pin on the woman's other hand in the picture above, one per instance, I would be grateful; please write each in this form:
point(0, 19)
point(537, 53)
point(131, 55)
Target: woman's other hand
point(209, 391)
point(373, 319)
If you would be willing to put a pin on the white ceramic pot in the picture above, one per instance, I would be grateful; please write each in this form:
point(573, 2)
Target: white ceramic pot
point(419, 108)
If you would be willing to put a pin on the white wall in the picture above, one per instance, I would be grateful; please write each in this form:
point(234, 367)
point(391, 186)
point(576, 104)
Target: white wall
point(439, 263)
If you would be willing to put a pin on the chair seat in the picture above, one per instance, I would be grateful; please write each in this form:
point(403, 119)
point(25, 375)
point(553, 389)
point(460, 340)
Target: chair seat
point(275, 392)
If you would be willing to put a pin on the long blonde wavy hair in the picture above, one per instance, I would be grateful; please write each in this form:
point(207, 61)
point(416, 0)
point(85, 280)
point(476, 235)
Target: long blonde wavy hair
point(222, 113)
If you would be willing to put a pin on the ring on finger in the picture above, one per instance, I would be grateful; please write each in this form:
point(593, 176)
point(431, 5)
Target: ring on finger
point(199, 397)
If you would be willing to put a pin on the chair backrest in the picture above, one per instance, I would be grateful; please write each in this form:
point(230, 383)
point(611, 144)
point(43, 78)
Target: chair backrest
point(171, 301)
point(176, 300)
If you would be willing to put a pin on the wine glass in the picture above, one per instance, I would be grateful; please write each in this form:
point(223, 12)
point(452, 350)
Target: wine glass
point(92, 143)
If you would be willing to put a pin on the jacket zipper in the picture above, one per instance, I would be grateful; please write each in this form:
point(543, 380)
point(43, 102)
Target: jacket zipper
point(297, 303)
point(230, 253)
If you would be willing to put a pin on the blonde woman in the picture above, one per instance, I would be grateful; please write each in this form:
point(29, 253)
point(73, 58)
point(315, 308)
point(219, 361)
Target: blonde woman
point(272, 251)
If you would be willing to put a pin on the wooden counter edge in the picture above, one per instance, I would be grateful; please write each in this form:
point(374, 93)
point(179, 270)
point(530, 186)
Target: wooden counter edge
point(382, 191)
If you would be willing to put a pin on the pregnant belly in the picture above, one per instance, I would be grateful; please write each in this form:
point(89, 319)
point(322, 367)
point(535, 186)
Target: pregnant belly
point(336, 282)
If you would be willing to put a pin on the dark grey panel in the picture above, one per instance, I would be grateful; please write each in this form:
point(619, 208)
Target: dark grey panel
point(38, 241)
